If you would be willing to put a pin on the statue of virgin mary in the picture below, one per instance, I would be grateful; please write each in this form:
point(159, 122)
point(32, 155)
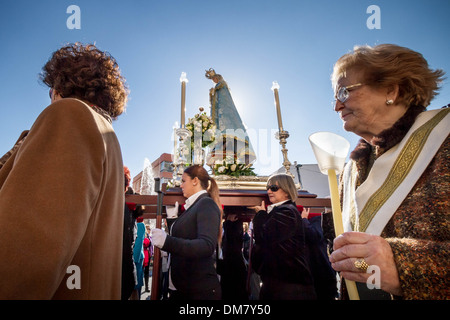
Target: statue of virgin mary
point(232, 141)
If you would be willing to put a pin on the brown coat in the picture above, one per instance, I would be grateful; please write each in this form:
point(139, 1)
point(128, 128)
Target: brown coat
point(61, 204)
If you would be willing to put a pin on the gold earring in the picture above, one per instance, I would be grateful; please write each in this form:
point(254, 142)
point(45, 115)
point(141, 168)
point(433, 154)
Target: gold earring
point(389, 102)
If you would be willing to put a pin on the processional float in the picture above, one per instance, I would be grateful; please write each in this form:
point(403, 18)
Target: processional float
point(230, 158)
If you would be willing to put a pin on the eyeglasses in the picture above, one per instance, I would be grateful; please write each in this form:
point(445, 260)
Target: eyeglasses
point(273, 188)
point(50, 93)
point(344, 92)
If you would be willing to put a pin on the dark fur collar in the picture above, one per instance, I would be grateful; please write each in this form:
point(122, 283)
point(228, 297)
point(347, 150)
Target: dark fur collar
point(387, 138)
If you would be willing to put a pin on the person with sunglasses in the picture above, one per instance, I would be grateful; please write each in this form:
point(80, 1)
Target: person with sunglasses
point(395, 187)
point(280, 254)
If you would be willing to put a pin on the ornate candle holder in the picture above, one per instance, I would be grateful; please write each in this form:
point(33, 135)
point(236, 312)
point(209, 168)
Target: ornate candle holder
point(282, 135)
point(197, 152)
point(180, 160)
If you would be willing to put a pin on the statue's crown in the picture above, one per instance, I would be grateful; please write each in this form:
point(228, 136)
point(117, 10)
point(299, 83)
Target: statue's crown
point(210, 73)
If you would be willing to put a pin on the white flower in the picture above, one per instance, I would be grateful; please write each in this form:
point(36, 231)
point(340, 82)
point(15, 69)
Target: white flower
point(208, 135)
point(233, 167)
point(198, 125)
point(229, 158)
point(221, 169)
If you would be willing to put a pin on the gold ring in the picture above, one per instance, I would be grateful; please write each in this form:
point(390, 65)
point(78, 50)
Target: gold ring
point(361, 264)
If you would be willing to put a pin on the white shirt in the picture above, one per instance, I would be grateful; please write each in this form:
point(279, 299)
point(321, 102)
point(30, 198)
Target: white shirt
point(191, 199)
point(270, 208)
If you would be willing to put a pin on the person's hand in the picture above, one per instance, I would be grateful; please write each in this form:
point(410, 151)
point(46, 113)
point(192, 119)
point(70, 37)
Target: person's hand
point(158, 237)
point(172, 211)
point(259, 208)
point(305, 213)
point(376, 251)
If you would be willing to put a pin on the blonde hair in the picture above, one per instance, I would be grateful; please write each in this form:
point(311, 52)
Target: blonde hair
point(386, 65)
point(286, 183)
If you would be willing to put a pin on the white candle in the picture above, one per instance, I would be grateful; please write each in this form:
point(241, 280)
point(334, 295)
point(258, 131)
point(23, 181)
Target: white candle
point(275, 87)
point(183, 81)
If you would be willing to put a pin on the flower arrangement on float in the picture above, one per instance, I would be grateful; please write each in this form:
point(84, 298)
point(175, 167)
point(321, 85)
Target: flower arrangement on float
point(230, 167)
point(201, 122)
point(204, 124)
point(233, 169)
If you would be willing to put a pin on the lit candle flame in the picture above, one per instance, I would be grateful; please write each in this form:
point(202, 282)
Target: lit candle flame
point(183, 78)
point(275, 85)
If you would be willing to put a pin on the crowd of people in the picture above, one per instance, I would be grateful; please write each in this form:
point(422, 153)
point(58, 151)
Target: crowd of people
point(288, 250)
point(137, 248)
point(62, 198)
point(206, 259)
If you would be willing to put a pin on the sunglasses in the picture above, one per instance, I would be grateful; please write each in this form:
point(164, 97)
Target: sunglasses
point(273, 188)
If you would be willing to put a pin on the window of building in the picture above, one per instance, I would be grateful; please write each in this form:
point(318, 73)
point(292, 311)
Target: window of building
point(166, 166)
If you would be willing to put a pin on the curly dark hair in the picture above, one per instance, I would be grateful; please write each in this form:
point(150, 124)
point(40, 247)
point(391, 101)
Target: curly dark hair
point(84, 72)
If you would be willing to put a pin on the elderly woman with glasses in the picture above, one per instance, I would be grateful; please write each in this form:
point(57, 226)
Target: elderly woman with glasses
point(280, 254)
point(394, 189)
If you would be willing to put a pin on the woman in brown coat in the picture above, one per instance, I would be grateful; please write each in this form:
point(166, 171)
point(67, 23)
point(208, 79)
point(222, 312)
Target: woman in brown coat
point(61, 186)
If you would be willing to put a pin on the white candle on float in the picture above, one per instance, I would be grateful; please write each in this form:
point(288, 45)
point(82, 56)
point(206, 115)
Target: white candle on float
point(275, 87)
point(183, 81)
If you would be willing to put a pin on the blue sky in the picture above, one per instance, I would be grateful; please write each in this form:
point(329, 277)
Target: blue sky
point(250, 42)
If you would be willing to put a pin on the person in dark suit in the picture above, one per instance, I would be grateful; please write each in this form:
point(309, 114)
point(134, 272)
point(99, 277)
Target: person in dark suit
point(193, 239)
point(322, 272)
point(281, 255)
point(233, 271)
point(128, 267)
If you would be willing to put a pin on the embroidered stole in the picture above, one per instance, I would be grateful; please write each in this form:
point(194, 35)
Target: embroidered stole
point(370, 207)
